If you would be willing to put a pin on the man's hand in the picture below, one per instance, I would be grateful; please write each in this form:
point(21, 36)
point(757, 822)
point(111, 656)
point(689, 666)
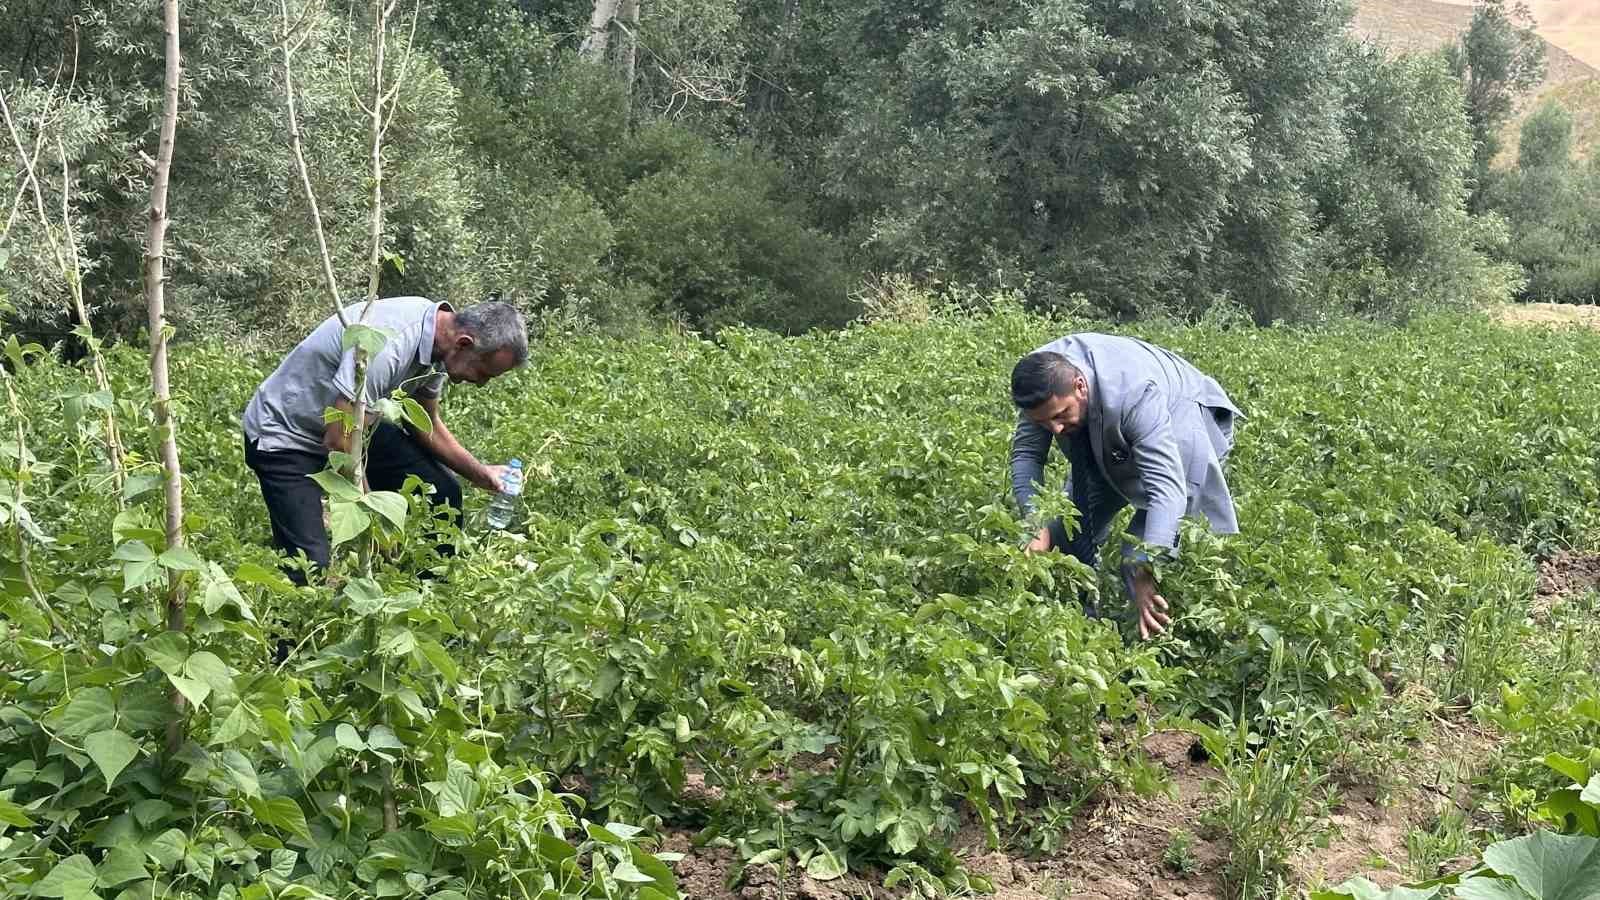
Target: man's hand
point(1040, 542)
point(1149, 606)
point(489, 478)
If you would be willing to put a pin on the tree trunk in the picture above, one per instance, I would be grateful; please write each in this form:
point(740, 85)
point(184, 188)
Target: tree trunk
point(594, 45)
point(380, 28)
point(155, 302)
point(628, 55)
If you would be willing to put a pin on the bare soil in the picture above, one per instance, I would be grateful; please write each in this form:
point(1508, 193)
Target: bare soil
point(1118, 846)
point(1568, 574)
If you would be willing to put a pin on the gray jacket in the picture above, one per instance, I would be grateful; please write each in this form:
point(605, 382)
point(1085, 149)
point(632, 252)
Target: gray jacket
point(1147, 431)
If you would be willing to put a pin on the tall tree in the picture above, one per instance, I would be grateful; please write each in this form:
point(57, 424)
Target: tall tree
point(1500, 58)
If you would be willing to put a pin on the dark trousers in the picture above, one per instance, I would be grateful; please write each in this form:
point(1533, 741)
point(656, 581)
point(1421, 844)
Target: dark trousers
point(294, 502)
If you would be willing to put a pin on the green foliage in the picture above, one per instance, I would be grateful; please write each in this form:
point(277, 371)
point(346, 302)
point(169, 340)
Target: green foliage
point(1553, 204)
point(720, 246)
point(753, 162)
point(245, 258)
point(766, 589)
point(1397, 236)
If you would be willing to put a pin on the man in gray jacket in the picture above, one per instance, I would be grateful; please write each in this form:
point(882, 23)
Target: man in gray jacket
point(1139, 425)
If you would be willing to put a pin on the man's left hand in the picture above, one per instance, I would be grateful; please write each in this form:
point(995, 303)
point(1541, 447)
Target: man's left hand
point(1149, 606)
point(489, 480)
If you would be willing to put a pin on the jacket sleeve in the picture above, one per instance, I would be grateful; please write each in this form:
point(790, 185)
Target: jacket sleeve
point(1030, 445)
point(1147, 425)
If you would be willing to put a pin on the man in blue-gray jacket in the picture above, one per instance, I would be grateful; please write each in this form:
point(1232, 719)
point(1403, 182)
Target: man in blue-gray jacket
point(1139, 425)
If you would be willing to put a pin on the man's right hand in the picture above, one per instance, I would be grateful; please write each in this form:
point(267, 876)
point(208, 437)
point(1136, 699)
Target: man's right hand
point(1040, 542)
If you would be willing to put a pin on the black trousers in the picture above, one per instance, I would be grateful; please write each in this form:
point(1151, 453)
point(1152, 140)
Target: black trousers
point(294, 502)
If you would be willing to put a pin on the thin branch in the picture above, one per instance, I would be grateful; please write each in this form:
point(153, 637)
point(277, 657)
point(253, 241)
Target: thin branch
point(405, 63)
point(72, 274)
point(304, 169)
point(75, 284)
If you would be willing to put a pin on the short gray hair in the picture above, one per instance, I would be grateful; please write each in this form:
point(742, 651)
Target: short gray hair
point(494, 327)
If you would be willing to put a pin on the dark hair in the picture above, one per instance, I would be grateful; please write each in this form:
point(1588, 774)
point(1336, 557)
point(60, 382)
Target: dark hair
point(1040, 376)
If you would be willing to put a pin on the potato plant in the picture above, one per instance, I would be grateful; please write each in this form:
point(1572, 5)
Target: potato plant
point(764, 590)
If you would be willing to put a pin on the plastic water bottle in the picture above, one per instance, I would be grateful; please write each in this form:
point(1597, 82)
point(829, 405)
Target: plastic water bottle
point(504, 502)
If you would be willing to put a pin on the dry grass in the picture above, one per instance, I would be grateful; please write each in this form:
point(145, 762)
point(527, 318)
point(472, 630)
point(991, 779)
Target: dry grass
point(1551, 314)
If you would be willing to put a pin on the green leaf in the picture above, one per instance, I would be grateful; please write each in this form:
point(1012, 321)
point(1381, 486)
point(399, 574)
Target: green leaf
point(220, 592)
point(628, 873)
point(1548, 866)
point(366, 337)
point(904, 836)
point(139, 564)
point(349, 738)
point(73, 877)
point(122, 865)
point(206, 667)
point(349, 521)
point(90, 710)
point(769, 855)
point(167, 651)
point(150, 812)
point(111, 751)
point(656, 870)
point(1577, 771)
point(380, 738)
point(136, 575)
point(241, 772)
point(134, 551)
point(388, 504)
point(459, 793)
point(282, 813)
point(335, 485)
point(606, 680)
point(825, 865)
point(1487, 887)
point(194, 691)
point(167, 848)
point(1362, 889)
point(271, 579)
point(1570, 814)
point(395, 640)
point(283, 863)
point(439, 658)
point(14, 815)
point(416, 415)
point(182, 559)
point(137, 485)
point(554, 850)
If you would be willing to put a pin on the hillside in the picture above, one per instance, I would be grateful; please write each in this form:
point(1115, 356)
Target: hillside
point(1572, 25)
point(1571, 30)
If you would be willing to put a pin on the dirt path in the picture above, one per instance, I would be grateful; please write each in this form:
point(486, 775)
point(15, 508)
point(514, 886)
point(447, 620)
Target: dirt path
point(1118, 849)
point(1550, 314)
